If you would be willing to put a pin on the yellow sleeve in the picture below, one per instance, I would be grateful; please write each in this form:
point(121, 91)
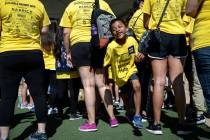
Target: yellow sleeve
point(105, 6)
point(108, 56)
point(188, 23)
point(147, 7)
point(46, 20)
point(66, 19)
point(190, 26)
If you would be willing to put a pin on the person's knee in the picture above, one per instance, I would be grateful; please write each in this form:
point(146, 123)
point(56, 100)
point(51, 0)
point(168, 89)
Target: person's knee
point(136, 87)
point(160, 82)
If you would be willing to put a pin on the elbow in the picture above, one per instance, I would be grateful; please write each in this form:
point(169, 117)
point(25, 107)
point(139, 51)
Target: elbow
point(45, 30)
point(66, 33)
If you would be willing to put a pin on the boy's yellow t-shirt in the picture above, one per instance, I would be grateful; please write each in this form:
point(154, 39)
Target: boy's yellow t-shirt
point(136, 23)
point(21, 22)
point(67, 75)
point(77, 16)
point(121, 60)
point(49, 59)
point(201, 31)
point(172, 21)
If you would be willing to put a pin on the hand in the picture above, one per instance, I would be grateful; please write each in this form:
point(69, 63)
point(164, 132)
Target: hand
point(69, 60)
point(138, 57)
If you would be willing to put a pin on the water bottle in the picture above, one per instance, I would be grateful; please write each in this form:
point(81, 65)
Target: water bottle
point(93, 30)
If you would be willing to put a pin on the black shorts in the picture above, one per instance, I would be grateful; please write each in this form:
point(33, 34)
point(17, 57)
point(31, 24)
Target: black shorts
point(171, 44)
point(85, 55)
point(81, 54)
point(97, 58)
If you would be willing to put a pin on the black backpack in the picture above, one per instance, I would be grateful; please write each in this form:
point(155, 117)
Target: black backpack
point(100, 26)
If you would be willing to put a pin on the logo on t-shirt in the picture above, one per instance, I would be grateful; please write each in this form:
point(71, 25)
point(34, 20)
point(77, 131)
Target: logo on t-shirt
point(131, 50)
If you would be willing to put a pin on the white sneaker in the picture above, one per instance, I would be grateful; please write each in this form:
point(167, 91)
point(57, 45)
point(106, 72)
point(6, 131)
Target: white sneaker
point(24, 106)
point(52, 111)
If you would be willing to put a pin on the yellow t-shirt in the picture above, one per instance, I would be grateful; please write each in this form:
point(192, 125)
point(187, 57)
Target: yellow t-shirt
point(136, 23)
point(201, 32)
point(49, 60)
point(67, 75)
point(21, 23)
point(189, 24)
point(77, 16)
point(121, 60)
point(172, 21)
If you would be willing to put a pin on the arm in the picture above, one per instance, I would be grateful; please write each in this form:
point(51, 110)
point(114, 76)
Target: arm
point(44, 30)
point(146, 19)
point(66, 36)
point(193, 7)
point(66, 43)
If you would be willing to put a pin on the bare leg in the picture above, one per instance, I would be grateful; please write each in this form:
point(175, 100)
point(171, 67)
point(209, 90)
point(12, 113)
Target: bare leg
point(4, 132)
point(104, 92)
point(41, 127)
point(87, 78)
point(24, 92)
point(159, 68)
point(137, 96)
point(176, 77)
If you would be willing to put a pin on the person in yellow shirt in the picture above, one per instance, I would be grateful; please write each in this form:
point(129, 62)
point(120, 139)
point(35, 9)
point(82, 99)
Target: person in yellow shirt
point(144, 67)
point(136, 22)
point(194, 94)
point(48, 46)
point(199, 9)
point(121, 55)
point(167, 57)
point(67, 78)
point(77, 35)
point(117, 100)
point(22, 22)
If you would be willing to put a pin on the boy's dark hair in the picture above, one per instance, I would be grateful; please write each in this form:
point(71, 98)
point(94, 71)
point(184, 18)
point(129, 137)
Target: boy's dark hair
point(47, 39)
point(118, 19)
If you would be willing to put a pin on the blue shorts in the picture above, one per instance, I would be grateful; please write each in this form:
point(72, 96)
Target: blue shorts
point(127, 88)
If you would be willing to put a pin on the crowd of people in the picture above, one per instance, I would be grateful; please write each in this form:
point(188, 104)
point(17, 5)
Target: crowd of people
point(53, 60)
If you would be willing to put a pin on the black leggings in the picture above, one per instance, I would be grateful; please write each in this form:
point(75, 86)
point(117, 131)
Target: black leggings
point(50, 80)
point(14, 66)
point(62, 86)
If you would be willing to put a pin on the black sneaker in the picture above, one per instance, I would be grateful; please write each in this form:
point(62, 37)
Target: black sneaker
point(154, 129)
point(38, 136)
point(183, 130)
point(74, 117)
point(196, 120)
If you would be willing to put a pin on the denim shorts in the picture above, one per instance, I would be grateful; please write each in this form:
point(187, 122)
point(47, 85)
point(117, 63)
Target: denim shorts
point(128, 86)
